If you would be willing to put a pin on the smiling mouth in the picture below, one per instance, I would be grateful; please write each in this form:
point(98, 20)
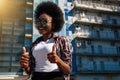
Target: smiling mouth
point(41, 28)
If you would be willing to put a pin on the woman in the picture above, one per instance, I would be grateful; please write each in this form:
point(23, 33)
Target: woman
point(50, 55)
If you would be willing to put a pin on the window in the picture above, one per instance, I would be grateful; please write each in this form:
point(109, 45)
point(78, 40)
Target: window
point(116, 34)
point(118, 50)
point(95, 78)
point(98, 34)
point(119, 63)
point(92, 49)
point(83, 44)
point(94, 65)
point(112, 43)
point(100, 50)
point(78, 44)
point(102, 65)
point(90, 58)
point(79, 62)
point(89, 42)
point(114, 21)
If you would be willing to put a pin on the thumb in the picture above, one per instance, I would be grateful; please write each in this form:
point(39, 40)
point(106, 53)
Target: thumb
point(23, 50)
point(54, 48)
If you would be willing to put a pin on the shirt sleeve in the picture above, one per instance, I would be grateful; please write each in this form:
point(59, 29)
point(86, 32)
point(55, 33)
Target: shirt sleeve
point(66, 50)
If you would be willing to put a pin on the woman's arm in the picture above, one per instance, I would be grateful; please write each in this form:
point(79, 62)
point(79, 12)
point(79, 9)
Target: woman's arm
point(64, 63)
point(65, 68)
point(24, 61)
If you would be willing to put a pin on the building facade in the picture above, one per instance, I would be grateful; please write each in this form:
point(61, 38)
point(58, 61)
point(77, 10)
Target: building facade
point(15, 31)
point(93, 27)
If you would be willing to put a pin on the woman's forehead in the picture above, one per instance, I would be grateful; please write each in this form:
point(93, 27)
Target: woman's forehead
point(44, 15)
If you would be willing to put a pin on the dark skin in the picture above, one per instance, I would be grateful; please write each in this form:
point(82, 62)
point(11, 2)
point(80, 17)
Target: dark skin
point(52, 57)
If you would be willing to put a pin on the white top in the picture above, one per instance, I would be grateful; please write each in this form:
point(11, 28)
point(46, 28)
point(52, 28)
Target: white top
point(40, 52)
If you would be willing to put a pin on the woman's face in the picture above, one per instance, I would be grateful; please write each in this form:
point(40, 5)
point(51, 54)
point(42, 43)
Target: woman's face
point(45, 24)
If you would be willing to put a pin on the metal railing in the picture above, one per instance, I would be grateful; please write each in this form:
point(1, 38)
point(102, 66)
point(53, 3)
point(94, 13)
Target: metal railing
point(99, 6)
point(106, 68)
point(103, 51)
point(101, 35)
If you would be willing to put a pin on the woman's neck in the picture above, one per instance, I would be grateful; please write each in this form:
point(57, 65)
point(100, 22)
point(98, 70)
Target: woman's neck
point(47, 36)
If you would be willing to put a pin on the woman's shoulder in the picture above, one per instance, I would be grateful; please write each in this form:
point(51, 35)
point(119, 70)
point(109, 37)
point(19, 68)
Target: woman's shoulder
point(64, 41)
point(60, 37)
point(63, 38)
point(37, 41)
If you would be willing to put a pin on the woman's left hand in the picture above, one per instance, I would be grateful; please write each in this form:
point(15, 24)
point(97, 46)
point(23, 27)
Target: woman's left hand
point(53, 57)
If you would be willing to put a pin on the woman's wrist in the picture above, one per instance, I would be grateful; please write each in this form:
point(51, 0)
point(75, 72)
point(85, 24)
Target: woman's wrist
point(26, 69)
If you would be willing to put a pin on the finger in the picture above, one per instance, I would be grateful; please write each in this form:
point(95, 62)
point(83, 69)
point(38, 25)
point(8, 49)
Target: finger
point(25, 58)
point(25, 65)
point(23, 62)
point(54, 48)
point(24, 55)
point(23, 50)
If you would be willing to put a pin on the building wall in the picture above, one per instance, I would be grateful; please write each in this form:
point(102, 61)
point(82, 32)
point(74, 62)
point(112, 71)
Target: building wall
point(96, 36)
point(15, 32)
point(92, 26)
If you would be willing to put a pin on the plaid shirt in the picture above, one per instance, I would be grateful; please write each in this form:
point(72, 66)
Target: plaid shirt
point(63, 49)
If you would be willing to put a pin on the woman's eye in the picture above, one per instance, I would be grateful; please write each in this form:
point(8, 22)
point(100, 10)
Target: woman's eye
point(44, 22)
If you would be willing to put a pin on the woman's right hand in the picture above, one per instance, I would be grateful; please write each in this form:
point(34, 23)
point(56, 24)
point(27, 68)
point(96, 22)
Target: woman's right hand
point(24, 61)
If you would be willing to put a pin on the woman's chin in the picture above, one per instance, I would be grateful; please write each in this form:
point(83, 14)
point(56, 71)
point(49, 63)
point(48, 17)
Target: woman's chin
point(42, 32)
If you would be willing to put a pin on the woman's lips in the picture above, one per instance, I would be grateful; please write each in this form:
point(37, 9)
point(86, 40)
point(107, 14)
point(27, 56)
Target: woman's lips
point(41, 29)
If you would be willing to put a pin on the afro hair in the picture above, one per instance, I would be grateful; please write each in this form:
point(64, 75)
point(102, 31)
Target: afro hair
point(52, 10)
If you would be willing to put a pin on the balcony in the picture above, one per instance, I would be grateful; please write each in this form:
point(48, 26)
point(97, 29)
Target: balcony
point(95, 35)
point(104, 52)
point(28, 35)
point(29, 4)
point(29, 19)
point(97, 7)
point(93, 20)
point(98, 68)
